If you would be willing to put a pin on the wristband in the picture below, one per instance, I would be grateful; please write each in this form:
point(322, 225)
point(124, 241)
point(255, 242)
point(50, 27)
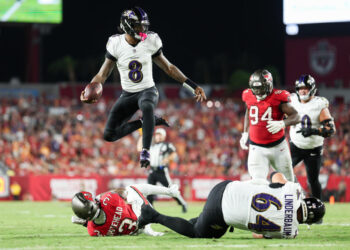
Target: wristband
point(190, 85)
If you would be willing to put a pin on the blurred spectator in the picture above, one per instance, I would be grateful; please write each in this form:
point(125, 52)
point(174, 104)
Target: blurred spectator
point(42, 136)
point(340, 195)
point(15, 189)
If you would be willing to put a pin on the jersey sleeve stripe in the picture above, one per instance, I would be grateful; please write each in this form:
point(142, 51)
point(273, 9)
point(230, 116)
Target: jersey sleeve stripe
point(140, 194)
point(110, 57)
point(157, 53)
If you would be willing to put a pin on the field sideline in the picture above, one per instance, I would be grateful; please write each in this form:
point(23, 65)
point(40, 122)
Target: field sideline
point(46, 225)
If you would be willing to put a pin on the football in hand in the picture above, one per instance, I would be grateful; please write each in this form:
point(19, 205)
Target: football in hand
point(92, 92)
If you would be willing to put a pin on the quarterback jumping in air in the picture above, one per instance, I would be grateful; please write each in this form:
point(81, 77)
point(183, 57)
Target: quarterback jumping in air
point(133, 53)
point(272, 210)
point(307, 137)
point(264, 118)
point(116, 212)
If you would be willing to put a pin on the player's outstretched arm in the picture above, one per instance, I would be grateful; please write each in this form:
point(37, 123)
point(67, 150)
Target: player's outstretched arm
point(104, 72)
point(100, 77)
point(244, 139)
point(172, 71)
point(293, 116)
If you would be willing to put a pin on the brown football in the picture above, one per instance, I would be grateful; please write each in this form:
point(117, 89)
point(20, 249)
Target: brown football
point(93, 91)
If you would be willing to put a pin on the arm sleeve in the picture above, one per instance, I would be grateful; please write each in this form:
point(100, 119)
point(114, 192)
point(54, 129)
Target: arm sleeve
point(110, 47)
point(323, 103)
point(285, 96)
point(171, 148)
point(158, 44)
point(244, 95)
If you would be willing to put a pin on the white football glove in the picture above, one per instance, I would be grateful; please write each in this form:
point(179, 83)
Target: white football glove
point(77, 220)
point(174, 190)
point(149, 231)
point(243, 141)
point(275, 126)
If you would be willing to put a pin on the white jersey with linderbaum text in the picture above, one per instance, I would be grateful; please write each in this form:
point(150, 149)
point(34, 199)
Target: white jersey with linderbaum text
point(271, 211)
point(310, 117)
point(134, 62)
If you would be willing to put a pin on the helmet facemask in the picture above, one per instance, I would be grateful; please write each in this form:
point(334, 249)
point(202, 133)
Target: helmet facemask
point(260, 83)
point(306, 81)
point(313, 210)
point(85, 208)
point(135, 23)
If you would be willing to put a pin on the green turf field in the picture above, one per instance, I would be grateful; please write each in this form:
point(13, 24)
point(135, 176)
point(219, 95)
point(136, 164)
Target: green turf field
point(31, 11)
point(46, 225)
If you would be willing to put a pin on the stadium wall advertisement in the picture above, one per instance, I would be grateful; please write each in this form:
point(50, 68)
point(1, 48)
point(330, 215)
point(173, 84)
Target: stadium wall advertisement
point(53, 187)
point(326, 59)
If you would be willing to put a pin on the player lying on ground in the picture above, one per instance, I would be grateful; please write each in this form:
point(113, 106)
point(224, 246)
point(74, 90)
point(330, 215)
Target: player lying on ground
point(116, 212)
point(273, 210)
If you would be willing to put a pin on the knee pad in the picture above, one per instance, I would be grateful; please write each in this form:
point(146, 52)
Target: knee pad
point(147, 105)
point(109, 135)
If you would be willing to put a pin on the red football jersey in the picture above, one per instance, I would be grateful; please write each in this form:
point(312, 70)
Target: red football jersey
point(262, 111)
point(120, 218)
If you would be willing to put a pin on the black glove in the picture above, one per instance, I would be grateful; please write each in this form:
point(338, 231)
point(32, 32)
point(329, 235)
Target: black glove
point(306, 132)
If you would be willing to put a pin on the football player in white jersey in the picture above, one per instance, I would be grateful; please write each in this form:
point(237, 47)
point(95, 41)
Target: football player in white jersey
point(272, 210)
point(133, 53)
point(307, 136)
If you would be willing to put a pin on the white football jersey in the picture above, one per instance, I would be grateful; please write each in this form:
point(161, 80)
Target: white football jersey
point(134, 62)
point(310, 117)
point(262, 209)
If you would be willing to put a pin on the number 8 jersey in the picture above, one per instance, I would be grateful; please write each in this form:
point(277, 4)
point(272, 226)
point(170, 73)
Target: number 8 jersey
point(310, 117)
point(270, 210)
point(134, 62)
point(261, 111)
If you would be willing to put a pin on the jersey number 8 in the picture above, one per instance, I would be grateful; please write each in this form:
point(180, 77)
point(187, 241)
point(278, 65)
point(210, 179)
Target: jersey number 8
point(135, 73)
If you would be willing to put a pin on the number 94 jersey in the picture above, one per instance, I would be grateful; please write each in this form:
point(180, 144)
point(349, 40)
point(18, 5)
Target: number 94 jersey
point(310, 117)
point(135, 62)
point(265, 209)
point(262, 111)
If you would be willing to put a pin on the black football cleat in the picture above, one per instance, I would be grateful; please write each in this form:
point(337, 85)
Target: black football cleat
point(161, 121)
point(184, 208)
point(144, 158)
point(158, 121)
point(148, 215)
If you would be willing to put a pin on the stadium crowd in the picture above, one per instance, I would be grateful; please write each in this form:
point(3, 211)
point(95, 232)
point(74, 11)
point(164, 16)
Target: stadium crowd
point(43, 136)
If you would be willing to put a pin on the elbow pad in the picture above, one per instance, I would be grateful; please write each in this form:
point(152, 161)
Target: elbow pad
point(327, 128)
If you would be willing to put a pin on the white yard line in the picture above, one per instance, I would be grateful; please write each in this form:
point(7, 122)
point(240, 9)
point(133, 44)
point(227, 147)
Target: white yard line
point(187, 246)
point(9, 13)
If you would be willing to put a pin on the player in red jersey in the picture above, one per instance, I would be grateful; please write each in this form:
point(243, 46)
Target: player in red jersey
point(116, 212)
point(264, 117)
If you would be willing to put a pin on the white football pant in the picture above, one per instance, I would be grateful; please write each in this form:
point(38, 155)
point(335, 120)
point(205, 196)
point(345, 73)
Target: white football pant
point(261, 158)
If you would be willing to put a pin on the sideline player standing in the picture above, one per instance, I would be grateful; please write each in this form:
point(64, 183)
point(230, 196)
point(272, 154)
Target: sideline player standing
point(133, 53)
point(307, 137)
point(271, 210)
point(264, 115)
point(162, 154)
